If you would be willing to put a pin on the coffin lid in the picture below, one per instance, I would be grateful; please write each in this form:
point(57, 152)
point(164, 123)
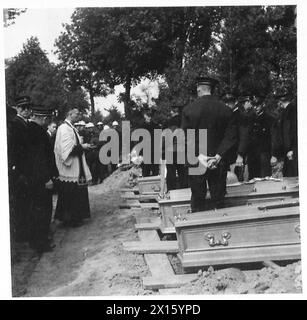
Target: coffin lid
point(151, 178)
point(241, 213)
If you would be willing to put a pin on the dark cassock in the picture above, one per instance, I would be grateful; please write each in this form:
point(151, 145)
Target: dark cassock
point(18, 149)
point(208, 112)
point(74, 175)
point(41, 169)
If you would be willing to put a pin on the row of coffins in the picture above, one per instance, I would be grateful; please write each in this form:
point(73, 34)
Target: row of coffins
point(259, 221)
point(177, 202)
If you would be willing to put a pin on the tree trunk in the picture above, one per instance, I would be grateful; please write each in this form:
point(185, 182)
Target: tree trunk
point(92, 104)
point(127, 98)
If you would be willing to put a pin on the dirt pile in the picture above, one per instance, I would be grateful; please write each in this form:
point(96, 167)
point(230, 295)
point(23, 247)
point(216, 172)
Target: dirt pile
point(267, 280)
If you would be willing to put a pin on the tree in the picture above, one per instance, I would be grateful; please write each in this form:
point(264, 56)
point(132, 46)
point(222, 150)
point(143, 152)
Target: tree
point(125, 44)
point(76, 68)
point(31, 73)
point(10, 15)
point(114, 115)
point(254, 45)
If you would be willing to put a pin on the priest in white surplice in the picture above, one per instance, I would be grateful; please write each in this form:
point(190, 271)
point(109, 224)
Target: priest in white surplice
point(74, 175)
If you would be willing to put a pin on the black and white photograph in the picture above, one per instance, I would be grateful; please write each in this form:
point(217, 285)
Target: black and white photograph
point(152, 150)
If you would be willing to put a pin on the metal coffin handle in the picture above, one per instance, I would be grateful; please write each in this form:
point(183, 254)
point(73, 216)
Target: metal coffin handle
point(156, 188)
point(223, 242)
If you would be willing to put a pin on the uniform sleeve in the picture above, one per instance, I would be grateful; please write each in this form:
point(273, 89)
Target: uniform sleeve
point(230, 135)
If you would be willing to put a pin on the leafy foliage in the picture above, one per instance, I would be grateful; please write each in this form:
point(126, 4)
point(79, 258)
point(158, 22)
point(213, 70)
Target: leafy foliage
point(11, 14)
point(31, 73)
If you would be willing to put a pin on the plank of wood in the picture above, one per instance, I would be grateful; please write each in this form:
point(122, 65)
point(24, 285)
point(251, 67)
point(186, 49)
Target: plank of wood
point(157, 263)
point(152, 205)
point(148, 197)
point(151, 225)
point(128, 205)
point(130, 196)
point(163, 282)
point(149, 235)
point(151, 247)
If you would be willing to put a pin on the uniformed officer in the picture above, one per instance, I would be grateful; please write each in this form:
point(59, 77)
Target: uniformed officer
point(237, 154)
point(150, 169)
point(41, 172)
point(173, 169)
point(208, 112)
point(18, 149)
point(259, 145)
point(289, 131)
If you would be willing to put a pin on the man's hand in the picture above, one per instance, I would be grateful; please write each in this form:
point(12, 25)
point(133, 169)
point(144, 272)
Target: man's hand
point(290, 155)
point(204, 160)
point(273, 161)
point(49, 185)
point(214, 161)
point(239, 161)
point(86, 146)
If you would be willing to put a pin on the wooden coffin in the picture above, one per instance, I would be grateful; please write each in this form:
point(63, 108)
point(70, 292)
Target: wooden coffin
point(149, 185)
point(239, 194)
point(270, 231)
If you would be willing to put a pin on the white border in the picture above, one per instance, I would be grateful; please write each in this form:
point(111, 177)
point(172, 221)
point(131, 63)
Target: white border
point(5, 283)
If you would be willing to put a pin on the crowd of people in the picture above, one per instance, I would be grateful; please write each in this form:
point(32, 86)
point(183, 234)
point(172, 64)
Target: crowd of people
point(44, 158)
point(243, 132)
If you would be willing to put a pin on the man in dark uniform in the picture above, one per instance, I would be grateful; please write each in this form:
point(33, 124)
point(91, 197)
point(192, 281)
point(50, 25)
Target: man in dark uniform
point(18, 148)
point(259, 147)
point(175, 168)
point(237, 153)
point(41, 172)
point(208, 112)
point(150, 169)
point(51, 132)
point(289, 132)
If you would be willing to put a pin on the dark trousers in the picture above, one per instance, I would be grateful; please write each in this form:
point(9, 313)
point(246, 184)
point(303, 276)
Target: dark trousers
point(150, 170)
point(40, 216)
point(259, 165)
point(290, 166)
point(171, 176)
point(217, 186)
point(19, 208)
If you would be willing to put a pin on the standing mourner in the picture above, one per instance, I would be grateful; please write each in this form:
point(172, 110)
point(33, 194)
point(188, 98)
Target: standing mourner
point(51, 131)
point(208, 112)
point(289, 132)
point(150, 169)
point(74, 175)
point(116, 126)
point(41, 172)
point(175, 168)
point(237, 154)
point(259, 146)
point(80, 126)
point(18, 150)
